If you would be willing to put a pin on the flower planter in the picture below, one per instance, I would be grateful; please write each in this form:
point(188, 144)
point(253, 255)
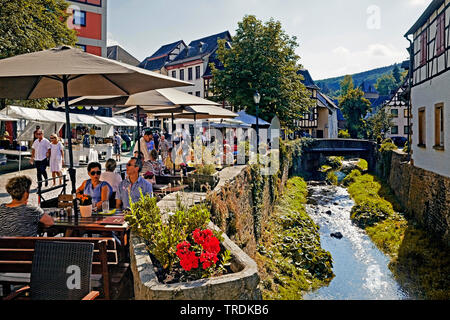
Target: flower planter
point(242, 284)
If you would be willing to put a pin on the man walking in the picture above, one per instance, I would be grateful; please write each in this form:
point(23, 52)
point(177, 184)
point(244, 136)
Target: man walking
point(117, 145)
point(40, 150)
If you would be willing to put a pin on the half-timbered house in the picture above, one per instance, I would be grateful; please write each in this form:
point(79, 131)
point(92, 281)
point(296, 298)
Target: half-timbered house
point(321, 120)
point(430, 88)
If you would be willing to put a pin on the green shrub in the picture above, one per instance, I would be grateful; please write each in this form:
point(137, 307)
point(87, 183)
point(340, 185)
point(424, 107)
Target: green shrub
point(162, 237)
point(350, 178)
point(362, 165)
point(332, 178)
point(370, 207)
point(292, 261)
point(207, 169)
point(368, 213)
point(335, 162)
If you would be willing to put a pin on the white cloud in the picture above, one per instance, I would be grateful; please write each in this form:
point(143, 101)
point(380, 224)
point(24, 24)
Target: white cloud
point(111, 41)
point(417, 3)
point(346, 61)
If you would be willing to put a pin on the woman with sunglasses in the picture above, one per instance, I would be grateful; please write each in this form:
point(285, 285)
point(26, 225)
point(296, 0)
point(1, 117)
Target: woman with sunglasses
point(99, 190)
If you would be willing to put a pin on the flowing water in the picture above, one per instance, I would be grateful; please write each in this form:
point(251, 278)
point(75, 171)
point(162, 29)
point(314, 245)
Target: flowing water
point(361, 270)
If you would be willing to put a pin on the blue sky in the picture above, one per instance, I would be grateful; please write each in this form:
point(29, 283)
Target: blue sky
point(336, 37)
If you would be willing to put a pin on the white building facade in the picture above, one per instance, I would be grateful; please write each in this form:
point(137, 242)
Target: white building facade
point(430, 91)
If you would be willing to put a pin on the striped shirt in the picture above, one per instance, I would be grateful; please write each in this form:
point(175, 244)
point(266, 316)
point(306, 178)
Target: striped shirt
point(21, 221)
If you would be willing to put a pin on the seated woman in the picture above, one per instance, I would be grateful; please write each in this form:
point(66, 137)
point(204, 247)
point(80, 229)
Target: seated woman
point(113, 178)
point(17, 218)
point(110, 176)
point(99, 190)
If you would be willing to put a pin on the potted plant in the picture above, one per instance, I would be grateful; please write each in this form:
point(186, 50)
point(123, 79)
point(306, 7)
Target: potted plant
point(85, 205)
point(181, 245)
point(182, 255)
point(202, 176)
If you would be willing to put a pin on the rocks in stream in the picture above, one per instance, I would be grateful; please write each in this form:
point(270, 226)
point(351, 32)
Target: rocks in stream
point(337, 235)
point(329, 212)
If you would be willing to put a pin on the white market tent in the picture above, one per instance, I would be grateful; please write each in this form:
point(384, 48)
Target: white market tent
point(52, 121)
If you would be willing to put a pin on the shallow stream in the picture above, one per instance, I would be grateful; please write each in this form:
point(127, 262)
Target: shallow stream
point(361, 269)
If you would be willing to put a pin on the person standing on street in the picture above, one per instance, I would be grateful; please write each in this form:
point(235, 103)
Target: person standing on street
point(56, 158)
point(117, 143)
point(39, 153)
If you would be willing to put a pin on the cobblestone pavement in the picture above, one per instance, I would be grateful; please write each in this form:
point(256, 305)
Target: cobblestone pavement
point(33, 200)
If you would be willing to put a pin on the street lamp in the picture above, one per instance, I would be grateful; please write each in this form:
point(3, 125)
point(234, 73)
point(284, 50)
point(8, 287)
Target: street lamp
point(257, 99)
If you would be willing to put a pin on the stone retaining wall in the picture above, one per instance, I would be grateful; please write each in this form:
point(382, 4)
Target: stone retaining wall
point(424, 195)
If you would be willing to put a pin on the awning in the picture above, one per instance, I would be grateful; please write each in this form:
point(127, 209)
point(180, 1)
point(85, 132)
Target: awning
point(43, 116)
point(127, 122)
point(4, 117)
point(117, 121)
point(36, 115)
point(247, 118)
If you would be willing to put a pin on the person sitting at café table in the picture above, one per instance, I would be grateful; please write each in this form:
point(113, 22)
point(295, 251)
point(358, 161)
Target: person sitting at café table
point(18, 218)
point(132, 185)
point(99, 190)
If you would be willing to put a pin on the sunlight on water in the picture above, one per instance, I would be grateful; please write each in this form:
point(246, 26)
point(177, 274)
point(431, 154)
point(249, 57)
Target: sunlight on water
point(360, 268)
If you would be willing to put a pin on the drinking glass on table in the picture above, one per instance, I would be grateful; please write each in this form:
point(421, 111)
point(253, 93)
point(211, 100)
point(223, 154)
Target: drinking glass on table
point(105, 206)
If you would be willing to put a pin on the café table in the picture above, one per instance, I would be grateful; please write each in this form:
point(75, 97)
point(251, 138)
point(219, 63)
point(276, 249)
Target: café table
point(97, 223)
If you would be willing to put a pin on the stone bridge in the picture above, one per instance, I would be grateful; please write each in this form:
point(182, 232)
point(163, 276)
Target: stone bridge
point(313, 155)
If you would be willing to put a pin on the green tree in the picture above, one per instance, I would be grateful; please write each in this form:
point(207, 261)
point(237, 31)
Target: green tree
point(33, 25)
point(385, 84)
point(397, 75)
point(379, 124)
point(354, 108)
point(262, 58)
point(346, 85)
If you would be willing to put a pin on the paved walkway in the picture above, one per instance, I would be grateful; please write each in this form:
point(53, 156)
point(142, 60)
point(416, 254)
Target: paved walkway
point(167, 204)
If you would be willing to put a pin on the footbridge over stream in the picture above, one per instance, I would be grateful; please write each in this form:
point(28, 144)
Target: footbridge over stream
point(315, 153)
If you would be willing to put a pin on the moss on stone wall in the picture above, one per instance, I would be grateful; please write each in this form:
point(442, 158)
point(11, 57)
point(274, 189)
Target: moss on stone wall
point(290, 258)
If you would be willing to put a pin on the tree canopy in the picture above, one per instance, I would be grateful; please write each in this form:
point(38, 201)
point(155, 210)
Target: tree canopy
point(262, 58)
point(354, 108)
point(346, 85)
point(386, 84)
point(379, 124)
point(33, 25)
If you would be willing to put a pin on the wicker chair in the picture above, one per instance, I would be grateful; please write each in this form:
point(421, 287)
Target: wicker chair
point(60, 271)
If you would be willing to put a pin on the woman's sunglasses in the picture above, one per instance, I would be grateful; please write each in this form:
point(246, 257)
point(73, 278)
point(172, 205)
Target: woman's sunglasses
point(96, 173)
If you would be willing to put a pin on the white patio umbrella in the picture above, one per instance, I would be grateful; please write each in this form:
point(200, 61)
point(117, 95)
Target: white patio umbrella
point(66, 71)
point(168, 101)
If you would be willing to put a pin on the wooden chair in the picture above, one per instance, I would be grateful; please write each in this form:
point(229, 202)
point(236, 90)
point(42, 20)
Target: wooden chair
point(65, 201)
point(60, 271)
point(16, 257)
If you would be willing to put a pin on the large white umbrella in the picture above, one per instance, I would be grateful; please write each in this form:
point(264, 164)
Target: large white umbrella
point(69, 72)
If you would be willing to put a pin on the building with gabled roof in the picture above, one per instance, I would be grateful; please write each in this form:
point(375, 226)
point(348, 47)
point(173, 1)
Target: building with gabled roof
point(321, 121)
point(192, 64)
point(399, 109)
point(164, 55)
point(429, 88)
point(120, 54)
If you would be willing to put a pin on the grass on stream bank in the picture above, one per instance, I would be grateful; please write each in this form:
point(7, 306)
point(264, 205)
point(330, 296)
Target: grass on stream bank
point(290, 259)
point(420, 263)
